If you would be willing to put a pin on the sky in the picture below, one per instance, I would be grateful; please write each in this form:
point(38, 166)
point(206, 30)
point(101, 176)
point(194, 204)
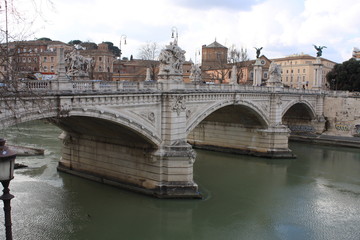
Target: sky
point(281, 27)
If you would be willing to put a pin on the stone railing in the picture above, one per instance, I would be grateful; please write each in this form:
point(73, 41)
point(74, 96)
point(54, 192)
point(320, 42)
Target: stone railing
point(79, 86)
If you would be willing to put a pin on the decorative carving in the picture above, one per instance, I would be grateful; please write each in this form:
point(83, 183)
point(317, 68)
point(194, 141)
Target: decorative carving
point(179, 105)
point(151, 117)
point(188, 113)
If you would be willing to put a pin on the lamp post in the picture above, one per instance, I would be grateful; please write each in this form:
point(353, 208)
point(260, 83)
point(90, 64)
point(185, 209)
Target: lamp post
point(7, 162)
point(122, 39)
point(197, 53)
point(175, 35)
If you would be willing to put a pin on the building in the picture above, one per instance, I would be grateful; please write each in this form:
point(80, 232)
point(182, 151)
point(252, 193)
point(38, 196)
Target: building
point(29, 57)
point(214, 56)
point(134, 69)
point(103, 60)
point(298, 71)
point(35, 55)
point(356, 53)
point(216, 68)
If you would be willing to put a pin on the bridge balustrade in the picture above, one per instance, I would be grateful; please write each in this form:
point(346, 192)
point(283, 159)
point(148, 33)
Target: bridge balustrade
point(109, 86)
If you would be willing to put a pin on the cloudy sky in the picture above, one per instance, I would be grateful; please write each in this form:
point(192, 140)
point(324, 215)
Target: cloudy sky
point(281, 27)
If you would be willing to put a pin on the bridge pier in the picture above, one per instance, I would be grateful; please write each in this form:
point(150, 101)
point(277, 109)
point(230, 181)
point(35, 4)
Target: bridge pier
point(163, 173)
point(271, 142)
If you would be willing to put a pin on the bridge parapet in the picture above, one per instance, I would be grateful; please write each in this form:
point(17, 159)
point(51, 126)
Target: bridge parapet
point(107, 86)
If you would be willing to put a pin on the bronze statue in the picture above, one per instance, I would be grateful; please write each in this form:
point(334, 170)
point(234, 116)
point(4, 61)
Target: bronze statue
point(319, 50)
point(258, 52)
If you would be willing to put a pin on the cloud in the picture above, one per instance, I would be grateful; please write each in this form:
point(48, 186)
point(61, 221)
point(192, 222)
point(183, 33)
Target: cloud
point(282, 27)
point(235, 5)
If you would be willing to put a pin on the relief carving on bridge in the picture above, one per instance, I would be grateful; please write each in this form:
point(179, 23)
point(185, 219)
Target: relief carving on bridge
point(150, 116)
point(179, 105)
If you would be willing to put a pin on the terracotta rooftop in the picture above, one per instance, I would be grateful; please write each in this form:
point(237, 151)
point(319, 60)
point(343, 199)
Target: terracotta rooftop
point(215, 45)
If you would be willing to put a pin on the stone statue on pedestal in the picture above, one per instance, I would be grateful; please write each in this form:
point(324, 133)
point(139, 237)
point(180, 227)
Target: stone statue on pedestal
point(148, 75)
point(275, 76)
point(233, 78)
point(258, 51)
point(171, 60)
point(77, 65)
point(195, 73)
point(319, 50)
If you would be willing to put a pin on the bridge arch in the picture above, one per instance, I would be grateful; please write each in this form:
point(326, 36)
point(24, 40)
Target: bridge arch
point(118, 119)
point(306, 105)
point(299, 116)
point(244, 105)
point(115, 118)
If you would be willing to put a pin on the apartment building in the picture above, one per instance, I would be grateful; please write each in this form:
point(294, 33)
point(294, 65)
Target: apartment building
point(298, 71)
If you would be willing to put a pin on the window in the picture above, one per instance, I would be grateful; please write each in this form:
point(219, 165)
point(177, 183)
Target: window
point(24, 59)
point(45, 58)
point(29, 59)
point(100, 58)
point(304, 70)
point(265, 75)
point(52, 68)
point(52, 59)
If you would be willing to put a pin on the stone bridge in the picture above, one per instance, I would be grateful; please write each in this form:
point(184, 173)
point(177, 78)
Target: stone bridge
point(140, 136)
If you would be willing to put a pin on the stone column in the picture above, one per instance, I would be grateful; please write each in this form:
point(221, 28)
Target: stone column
point(63, 83)
point(257, 73)
point(318, 74)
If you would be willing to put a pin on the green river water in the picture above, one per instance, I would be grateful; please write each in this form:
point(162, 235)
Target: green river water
point(316, 196)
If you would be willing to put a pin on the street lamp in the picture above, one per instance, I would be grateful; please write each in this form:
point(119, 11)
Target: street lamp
point(122, 39)
point(174, 34)
point(197, 53)
point(7, 162)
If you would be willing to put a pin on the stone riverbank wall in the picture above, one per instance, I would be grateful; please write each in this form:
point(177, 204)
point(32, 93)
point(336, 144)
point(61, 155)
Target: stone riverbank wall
point(342, 114)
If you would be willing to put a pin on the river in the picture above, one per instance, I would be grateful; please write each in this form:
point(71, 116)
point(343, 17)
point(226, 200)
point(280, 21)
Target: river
point(316, 196)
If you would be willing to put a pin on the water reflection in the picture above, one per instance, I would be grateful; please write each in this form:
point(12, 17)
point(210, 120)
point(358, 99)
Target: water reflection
point(315, 196)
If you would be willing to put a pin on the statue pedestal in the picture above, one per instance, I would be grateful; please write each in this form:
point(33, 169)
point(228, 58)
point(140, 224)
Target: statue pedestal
point(318, 74)
point(257, 73)
point(171, 81)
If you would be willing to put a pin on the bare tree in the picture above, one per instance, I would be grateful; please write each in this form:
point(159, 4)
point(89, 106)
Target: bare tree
point(236, 55)
point(150, 53)
point(16, 26)
point(239, 58)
